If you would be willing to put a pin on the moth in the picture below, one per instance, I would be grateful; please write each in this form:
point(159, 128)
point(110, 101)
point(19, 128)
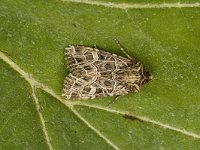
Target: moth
point(96, 73)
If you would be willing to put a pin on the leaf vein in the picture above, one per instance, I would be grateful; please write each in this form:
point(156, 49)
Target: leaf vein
point(41, 118)
point(145, 119)
point(137, 6)
point(93, 128)
point(35, 84)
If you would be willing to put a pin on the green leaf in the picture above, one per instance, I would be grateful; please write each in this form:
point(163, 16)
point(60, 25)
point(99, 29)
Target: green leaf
point(163, 36)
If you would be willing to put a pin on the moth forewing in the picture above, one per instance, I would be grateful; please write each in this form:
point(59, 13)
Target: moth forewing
point(96, 73)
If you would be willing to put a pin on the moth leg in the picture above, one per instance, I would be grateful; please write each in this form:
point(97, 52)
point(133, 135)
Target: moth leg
point(113, 101)
point(136, 87)
point(122, 49)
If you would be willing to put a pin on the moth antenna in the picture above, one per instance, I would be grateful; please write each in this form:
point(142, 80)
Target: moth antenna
point(122, 49)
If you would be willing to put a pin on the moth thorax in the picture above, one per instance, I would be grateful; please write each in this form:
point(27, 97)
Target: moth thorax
point(131, 77)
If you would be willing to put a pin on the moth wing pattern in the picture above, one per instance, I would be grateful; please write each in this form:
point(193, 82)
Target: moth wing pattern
point(87, 87)
point(83, 60)
point(96, 73)
point(77, 87)
point(92, 73)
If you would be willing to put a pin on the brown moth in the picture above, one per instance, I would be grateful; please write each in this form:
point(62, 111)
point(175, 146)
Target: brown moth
point(96, 73)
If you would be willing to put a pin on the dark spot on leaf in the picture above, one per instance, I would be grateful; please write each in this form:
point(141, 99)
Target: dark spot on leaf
point(126, 116)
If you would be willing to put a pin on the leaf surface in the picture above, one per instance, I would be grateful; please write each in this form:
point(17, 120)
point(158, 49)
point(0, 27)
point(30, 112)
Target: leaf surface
point(164, 115)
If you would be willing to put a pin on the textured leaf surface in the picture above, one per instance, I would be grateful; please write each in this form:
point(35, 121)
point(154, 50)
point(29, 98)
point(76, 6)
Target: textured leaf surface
point(164, 115)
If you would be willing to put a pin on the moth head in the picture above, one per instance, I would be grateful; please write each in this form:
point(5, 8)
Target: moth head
point(146, 77)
